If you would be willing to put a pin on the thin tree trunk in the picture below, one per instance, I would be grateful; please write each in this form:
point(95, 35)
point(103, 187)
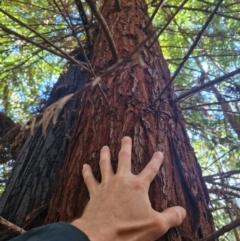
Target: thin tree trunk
point(130, 91)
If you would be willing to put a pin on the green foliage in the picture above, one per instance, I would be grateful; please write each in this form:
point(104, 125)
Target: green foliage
point(28, 72)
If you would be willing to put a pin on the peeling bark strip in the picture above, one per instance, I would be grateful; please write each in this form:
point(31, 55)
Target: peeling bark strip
point(130, 91)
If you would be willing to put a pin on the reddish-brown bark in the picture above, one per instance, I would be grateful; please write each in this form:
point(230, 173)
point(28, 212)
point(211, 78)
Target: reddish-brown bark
point(130, 91)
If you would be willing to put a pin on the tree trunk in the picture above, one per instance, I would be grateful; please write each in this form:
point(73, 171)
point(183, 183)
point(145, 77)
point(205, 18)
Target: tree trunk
point(130, 91)
point(38, 165)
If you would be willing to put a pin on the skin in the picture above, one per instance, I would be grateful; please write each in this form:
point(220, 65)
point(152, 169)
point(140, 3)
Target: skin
point(119, 208)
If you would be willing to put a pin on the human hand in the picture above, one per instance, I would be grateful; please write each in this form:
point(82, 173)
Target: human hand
point(119, 208)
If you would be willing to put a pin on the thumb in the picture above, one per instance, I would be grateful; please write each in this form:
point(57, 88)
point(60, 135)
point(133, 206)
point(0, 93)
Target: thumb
point(169, 218)
point(173, 216)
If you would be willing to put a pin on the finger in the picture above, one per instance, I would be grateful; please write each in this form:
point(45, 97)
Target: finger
point(124, 156)
point(105, 164)
point(89, 179)
point(152, 168)
point(170, 217)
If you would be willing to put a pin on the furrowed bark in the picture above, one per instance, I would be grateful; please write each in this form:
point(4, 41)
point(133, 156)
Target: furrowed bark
point(38, 165)
point(130, 91)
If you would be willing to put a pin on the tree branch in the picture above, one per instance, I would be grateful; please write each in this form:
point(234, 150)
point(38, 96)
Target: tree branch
point(221, 175)
point(223, 185)
point(105, 28)
point(160, 4)
point(224, 154)
point(9, 31)
point(195, 90)
point(223, 192)
point(167, 23)
point(203, 10)
point(193, 46)
point(70, 25)
point(222, 231)
point(122, 61)
point(85, 21)
point(10, 226)
point(206, 104)
point(118, 5)
point(45, 39)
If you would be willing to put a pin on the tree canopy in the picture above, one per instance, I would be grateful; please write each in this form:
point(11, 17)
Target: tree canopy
point(200, 41)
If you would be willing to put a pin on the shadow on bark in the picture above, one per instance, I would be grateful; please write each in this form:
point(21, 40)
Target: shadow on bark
point(31, 183)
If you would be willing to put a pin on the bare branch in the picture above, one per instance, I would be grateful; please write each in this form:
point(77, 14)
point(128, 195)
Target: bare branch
point(70, 24)
point(223, 185)
point(204, 10)
point(67, 56)
point(95, 82)
point(206, 104)
point(160, 4)
point(85, 20)
point(196, 90)
point(118, 5)
point(223, 192)
point(167, 23)
point(224, 154)
point(222, 231)
point(222, 175)
point(10, 226)
point(21, 63)
point(121, 61)
point(234, 113)
point(105, 28)
point(9, 31)
point(193, 46)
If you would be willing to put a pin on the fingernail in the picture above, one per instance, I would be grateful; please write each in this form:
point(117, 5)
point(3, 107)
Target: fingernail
point(182, 212)
point(126, 138)
point(159, 154)
point(105, 147)
point(84, 166)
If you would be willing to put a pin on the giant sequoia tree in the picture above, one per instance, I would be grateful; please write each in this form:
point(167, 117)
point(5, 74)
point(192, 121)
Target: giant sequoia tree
point(122, 86)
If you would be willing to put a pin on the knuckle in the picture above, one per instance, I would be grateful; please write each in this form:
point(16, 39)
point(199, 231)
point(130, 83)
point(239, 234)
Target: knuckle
point(138, 184)
point(87, 177)
point(177, 217)
point(120, 178)
point(124, 153)
point(153, 168)
point(103, 160)
point(160, 225)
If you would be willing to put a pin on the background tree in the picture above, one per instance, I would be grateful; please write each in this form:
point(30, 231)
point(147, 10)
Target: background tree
point(212, 135)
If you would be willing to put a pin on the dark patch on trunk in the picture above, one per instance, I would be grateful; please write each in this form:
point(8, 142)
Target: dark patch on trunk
point(39, 163)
